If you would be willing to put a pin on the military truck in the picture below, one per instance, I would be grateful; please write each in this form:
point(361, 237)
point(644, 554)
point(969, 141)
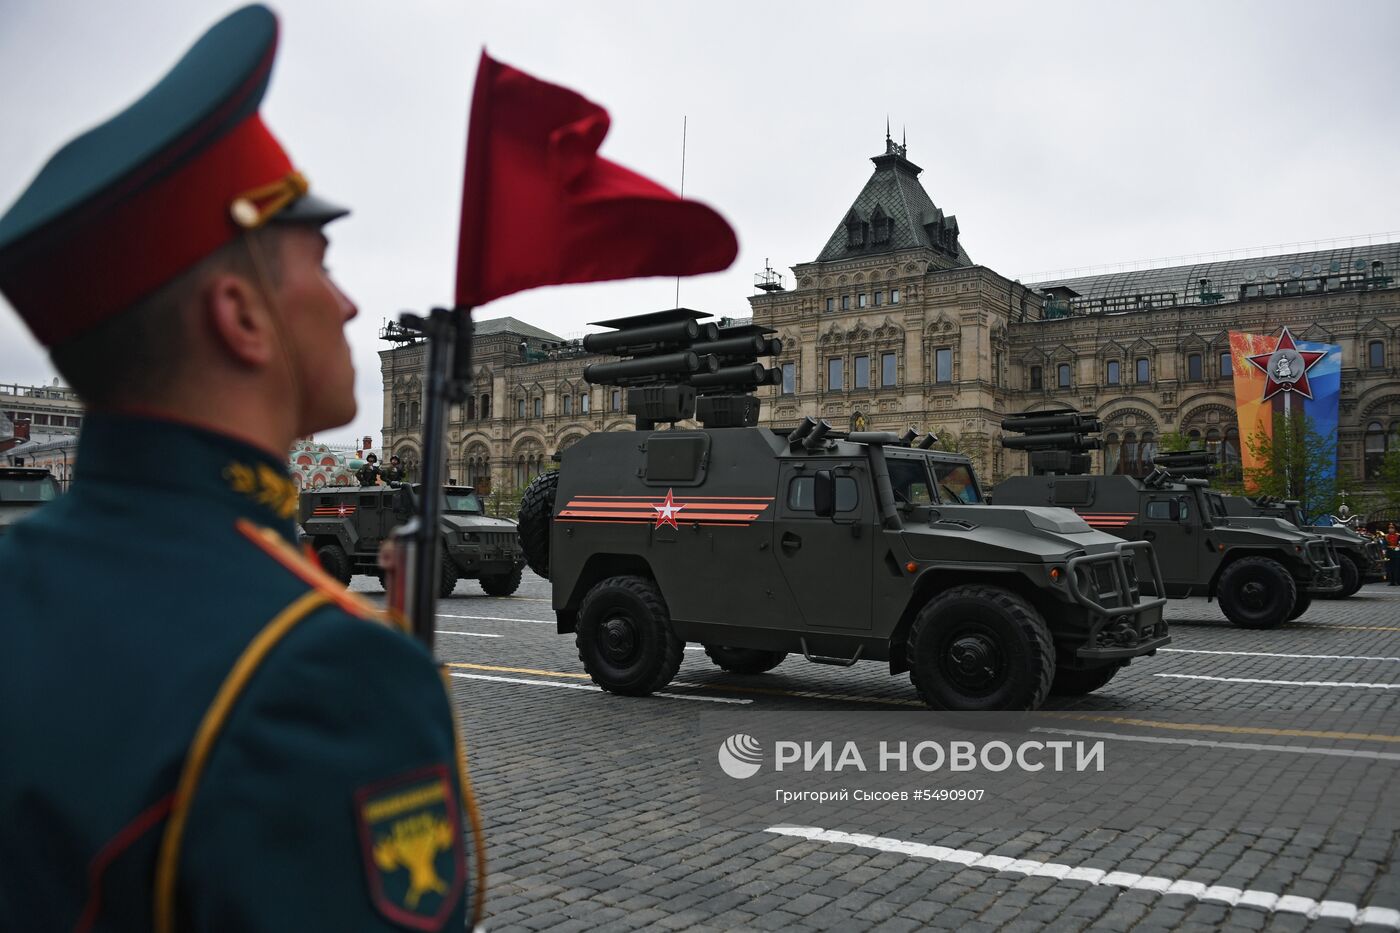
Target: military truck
point(840, 546)
point(1360, 558)
point(22, 490)
point(345, 526)
point(1264, 572)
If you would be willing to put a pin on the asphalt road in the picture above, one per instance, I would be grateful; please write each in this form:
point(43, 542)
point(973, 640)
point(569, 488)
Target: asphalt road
point(604, 812)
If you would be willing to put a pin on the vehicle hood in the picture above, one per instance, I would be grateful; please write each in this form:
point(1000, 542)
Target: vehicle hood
point(1010, 533)
point(458, 522)
point(1274, 527)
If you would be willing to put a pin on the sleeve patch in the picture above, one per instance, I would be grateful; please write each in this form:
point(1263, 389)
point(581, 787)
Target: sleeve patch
point(276, 547)
point(411, 842)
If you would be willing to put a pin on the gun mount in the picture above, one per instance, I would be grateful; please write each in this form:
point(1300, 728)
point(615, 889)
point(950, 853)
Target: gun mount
point(1187, 464)
point(679, 368)
point(1056, 439)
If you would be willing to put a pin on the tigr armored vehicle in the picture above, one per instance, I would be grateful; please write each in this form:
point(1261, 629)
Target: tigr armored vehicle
point(345, 525)
point(841, 546)
point(22, 490)
point(1264, 571)
point(1361, 558)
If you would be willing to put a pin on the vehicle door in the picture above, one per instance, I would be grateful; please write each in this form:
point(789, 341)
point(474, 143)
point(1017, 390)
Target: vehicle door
point(827, 562)
point(370, 519)
point(1169, 522)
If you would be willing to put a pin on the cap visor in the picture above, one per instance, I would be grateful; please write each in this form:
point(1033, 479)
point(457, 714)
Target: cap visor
point(309, 209)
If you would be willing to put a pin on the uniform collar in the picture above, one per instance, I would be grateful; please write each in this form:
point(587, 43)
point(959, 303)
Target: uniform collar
point(170, 455)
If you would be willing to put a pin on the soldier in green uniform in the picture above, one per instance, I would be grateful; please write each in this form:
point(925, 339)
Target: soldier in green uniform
point(200, 730)
point(393, 473)
point(368, 475)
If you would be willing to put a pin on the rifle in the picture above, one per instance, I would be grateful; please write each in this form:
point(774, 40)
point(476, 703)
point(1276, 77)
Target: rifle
point(412, 557)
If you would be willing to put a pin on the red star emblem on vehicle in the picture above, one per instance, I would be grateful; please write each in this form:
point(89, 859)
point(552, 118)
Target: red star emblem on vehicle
point(1286, 367)
point(666, 512)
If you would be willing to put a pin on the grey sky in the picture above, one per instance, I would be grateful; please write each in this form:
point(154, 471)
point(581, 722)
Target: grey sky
point(1062, 135)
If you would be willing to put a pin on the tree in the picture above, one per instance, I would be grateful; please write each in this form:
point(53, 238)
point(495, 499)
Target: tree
point(1295, 463)
point(1388, 480)
point(1173, 442)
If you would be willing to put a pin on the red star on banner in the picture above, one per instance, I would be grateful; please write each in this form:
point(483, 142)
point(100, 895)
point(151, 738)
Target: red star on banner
point(666, 512)
point(1286, 367)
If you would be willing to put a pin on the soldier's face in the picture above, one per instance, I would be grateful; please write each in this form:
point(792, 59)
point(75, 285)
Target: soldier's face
point(315, 312)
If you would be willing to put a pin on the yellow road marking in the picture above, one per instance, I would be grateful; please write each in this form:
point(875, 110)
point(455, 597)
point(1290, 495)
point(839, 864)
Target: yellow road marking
point(516, 670)
point(1234, 730)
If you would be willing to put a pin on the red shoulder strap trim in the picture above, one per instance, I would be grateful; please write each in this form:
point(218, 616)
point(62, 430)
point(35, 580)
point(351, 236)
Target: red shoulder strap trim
point(275, 546)
point(115, 846)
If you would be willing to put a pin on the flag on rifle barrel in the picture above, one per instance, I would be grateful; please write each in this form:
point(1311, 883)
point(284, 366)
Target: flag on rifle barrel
point(541, 207)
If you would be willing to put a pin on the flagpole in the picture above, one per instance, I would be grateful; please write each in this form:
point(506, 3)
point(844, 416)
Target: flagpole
point(684, 120)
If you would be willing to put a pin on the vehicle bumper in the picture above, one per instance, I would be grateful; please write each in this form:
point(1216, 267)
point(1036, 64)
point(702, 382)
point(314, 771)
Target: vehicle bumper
point(1133, 625)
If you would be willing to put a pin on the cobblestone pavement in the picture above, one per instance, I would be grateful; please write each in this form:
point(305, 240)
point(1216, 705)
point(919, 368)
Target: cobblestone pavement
point(597, 817)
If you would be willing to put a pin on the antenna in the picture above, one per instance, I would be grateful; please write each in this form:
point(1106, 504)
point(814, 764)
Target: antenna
point(768, 280)
point(684, 121)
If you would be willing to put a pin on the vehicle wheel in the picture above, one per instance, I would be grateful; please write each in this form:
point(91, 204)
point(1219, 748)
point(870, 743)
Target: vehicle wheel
point(1300, 605)
point(501, 584)
point(1257, 592)
point(980, 648)
point(535, 518)
point(447, 580)
point(744, 660)
point(334, 561)
point(1351, 577)
point(1076, 683)
point(625, 639)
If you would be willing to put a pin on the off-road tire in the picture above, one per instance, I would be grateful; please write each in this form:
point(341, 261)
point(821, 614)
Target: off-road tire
point(979, 647)
point(501, 584)
point(1351, 577)
point(447, 578)
point(744, 660)
point(624, 637)
point(1257, 593)
point(1300, 605)
point(535, 518)
point(1069, 682)
point(334, 561)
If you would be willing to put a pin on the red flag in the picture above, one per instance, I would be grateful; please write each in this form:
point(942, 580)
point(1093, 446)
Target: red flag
point(541, 207)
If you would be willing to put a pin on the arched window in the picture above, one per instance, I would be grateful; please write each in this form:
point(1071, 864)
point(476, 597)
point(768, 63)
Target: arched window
point(1193, 440)
point(1114, 373)
point(1375, 354)
point(413, 413)
point(1129, 454)
point(471, 407)
point(1213, 442)
point(1111, 451)
point(568, 404)
point(1230, 455)
point(1146, 453)
point(1062, 373)
point(1193, 367)
point(486, 406)
point(401, 416)
point(1375, 445)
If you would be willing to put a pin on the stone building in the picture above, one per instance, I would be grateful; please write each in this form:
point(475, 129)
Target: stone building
point(893, 324)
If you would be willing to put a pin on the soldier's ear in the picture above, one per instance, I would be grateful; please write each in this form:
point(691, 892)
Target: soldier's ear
point(238, 320)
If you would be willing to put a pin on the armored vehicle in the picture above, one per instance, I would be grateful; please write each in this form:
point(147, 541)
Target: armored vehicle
point(1264, 571)
point(345, 526)
point(1360, 558)
point(843, 547)
point(22, 490)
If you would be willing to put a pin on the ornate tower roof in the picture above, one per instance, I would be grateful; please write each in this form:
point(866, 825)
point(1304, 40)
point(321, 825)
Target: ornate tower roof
point(894, 212)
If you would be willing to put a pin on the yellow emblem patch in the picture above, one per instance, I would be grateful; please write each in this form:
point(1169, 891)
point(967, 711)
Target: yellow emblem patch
point(411, 835)
point(264, 486)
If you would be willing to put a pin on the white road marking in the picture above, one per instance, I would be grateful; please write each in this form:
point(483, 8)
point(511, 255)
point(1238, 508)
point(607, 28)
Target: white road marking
point(1059, 871)
point(1283, 683)
point(1269, 654)
point(443, 631)
point(1244, 746)
point(595, 688)
point(444, 615)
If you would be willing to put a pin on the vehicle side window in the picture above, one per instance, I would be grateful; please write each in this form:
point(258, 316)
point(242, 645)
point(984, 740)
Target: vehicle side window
point(1160, 510)
point(800, 494)
point(910, 481)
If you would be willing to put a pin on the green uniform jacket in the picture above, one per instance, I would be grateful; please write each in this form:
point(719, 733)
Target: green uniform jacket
point(326, 795)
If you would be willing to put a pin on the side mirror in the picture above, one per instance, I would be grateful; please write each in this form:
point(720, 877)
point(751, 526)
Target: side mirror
point(824, 494)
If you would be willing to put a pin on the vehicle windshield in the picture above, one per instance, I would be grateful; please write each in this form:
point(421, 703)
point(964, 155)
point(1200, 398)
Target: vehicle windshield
point(910, 481)
point(462, 500)
point(1217, 505)
point(956, 483)
point(35, 489)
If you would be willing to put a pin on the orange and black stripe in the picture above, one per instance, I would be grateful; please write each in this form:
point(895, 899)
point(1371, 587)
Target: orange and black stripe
point(1109, 519)
point(731, 511)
